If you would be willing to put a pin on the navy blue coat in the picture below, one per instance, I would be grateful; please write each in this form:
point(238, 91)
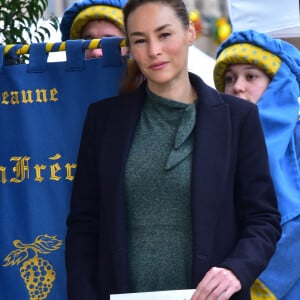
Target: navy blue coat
point(236, 223)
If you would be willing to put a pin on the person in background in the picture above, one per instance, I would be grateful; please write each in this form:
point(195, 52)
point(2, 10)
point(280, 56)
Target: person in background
point(172, 189)
point(266, 71)
point(93, 19)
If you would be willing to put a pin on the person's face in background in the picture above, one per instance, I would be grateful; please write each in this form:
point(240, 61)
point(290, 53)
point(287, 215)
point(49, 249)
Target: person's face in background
point(98, 29)
point(245, 81)
point(159, 43)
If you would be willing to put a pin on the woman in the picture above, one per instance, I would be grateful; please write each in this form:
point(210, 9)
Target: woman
point(172, 189)
point(266, 71)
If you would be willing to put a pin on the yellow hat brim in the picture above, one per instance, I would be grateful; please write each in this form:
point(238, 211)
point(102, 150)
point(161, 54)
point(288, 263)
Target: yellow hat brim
point(96, 12)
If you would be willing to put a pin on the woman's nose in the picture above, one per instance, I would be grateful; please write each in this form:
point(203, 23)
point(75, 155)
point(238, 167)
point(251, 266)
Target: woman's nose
point(154, 49)
point(93, 53)
point(239, 85)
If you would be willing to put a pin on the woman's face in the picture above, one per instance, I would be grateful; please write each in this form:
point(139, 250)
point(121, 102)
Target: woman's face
point(97, 29)
point(159, 42)
point(246, 81)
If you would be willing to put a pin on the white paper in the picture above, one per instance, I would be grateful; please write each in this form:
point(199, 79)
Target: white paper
point(161, 295)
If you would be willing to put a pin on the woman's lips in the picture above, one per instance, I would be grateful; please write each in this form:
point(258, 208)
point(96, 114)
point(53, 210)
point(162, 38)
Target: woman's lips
point(158, 65)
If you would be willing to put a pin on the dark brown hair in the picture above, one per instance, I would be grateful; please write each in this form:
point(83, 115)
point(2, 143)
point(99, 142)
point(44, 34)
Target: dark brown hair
point(134, 77)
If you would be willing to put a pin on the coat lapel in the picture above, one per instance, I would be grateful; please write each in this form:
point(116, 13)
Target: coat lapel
point(118, 136)
point(211, 157)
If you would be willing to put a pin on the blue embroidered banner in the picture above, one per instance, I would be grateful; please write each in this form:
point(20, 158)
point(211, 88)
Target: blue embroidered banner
point(42, 110)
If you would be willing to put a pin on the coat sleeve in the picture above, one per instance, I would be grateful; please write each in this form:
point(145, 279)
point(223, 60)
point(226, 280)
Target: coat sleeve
point(256, 204)
point(82, 222)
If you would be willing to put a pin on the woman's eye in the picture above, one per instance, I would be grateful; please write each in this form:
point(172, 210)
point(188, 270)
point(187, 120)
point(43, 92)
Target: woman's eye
point(88, 37)
point(139, 41)
point(228, 79)
point(165, 34)
point(251, 77)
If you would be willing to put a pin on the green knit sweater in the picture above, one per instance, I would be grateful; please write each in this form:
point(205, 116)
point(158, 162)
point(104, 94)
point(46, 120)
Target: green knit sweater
point(158, 195)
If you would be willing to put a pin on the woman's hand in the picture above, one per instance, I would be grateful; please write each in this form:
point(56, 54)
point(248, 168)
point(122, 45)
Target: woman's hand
point(217, 284)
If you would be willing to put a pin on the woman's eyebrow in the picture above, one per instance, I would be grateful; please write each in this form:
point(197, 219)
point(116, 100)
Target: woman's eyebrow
point(160, 28)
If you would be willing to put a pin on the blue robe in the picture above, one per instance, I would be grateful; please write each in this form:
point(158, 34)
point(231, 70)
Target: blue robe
point(279, 112)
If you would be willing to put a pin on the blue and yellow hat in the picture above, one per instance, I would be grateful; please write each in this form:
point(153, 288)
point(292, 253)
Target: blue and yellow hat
point(244, 53)
point(260, 49)
point(81, 12)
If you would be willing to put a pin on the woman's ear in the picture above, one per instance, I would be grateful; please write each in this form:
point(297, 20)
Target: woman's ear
point(191, 33)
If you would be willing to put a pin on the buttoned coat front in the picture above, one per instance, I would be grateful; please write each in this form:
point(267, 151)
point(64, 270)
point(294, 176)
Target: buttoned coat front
point(236, 224)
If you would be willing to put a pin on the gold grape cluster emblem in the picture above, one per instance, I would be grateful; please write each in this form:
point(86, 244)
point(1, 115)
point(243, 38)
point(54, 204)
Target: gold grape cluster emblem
point(37, 273)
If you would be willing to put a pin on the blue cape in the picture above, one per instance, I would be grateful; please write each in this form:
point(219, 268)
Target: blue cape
point(279, 109)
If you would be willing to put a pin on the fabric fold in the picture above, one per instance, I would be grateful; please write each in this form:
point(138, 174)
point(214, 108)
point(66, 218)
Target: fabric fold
point(183, 141)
